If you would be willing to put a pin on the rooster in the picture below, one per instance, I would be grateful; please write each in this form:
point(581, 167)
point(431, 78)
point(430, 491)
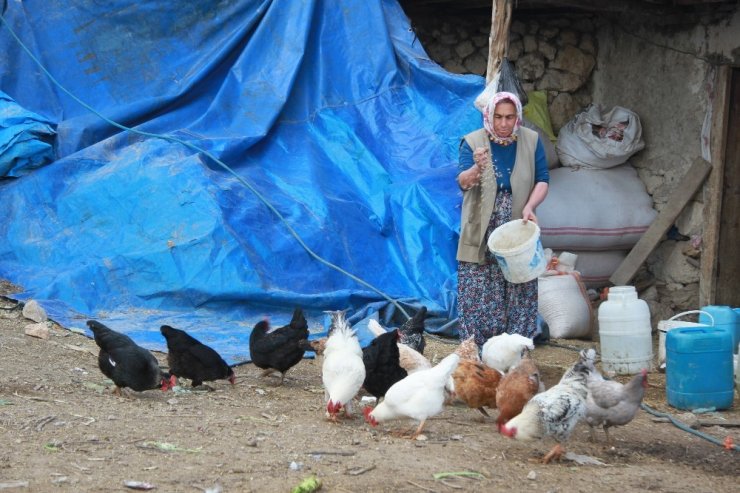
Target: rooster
point(516, 388)
point(190, 358)
point(342, 371)
point(505, 350)
point(418, 396)
point(126, 363)
point(475, 385)
point(554, 412)
point(281, 349)
point(609, 402)
point(412, 331)
point(382, 368)
point(410, 359)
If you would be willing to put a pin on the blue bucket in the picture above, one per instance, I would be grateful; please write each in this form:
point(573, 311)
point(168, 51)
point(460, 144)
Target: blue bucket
point(699, 368)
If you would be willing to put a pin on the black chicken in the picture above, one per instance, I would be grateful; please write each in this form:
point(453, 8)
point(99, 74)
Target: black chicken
point(190, 358)
point(126, 363)
point(382, 368)
point(412, 331)
point(281, 349)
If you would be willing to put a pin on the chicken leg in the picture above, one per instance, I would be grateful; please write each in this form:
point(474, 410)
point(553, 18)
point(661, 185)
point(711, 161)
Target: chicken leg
point(556, 453)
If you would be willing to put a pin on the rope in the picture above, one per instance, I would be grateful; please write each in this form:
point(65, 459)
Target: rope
point(213, 158)
point(687, 428)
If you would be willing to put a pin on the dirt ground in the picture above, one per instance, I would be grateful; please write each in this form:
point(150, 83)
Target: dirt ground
point(63, 430)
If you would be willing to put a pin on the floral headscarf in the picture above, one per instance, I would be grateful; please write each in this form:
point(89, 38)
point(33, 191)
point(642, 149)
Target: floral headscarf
point(488, 117)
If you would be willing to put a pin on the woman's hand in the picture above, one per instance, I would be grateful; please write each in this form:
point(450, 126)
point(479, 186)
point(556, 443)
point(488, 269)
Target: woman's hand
point(528, 215)
point(480, 157)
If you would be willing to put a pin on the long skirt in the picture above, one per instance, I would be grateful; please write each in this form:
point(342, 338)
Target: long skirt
point(487, 303)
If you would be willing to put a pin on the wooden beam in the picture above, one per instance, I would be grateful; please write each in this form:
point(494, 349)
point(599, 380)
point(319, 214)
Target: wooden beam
point(686, 189)
point(498, 40)
point(713, 190)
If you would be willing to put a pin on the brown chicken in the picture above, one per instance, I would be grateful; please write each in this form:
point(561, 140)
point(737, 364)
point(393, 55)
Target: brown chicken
point(475, 385)
point(516, 388)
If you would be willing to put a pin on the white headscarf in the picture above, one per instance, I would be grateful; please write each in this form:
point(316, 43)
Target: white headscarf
point(490, 109)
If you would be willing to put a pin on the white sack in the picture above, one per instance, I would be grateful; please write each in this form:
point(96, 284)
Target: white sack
point(590, 209)
point(588, 140)
point(564, 306)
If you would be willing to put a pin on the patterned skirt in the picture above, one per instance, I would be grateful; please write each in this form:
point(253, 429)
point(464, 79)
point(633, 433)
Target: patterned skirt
point(487, 303)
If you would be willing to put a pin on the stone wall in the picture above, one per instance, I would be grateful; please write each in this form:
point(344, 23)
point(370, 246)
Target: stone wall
point(556, 55)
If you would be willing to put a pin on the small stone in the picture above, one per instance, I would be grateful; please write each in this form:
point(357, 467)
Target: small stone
point(39, 330)
point(33, 311)
point(260, 391)
point(296, 466)
point(456, 437)
point(422, 438)
point(532, 475)
point(251, 443)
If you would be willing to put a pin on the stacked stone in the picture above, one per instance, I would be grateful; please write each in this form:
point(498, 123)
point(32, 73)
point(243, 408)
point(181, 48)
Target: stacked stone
point(554, 55)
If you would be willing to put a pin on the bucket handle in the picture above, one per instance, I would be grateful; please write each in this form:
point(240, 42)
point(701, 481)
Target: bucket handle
point(691, 312)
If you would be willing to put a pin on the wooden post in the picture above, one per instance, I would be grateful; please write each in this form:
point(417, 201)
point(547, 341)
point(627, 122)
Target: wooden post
point(498, 40)
point(713, 190)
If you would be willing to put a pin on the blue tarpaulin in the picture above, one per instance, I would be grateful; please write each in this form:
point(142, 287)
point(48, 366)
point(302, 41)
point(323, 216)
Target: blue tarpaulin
point(330, 111)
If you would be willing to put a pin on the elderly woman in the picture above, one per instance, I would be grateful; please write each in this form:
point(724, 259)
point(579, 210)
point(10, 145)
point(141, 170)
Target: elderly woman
point(503, 176)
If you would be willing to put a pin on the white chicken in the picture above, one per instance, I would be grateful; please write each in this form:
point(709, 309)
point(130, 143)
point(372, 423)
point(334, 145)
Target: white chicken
point(418, 396)
point(505, 350)
point(409, 359)
point(342, 370)
point(554, 412)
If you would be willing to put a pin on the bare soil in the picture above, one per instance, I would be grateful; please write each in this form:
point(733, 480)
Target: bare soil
point(61, 429)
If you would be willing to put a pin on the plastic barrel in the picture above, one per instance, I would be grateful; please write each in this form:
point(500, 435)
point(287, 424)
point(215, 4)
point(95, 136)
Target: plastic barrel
point(724, 318)
point(699, 368)
point(625, 332)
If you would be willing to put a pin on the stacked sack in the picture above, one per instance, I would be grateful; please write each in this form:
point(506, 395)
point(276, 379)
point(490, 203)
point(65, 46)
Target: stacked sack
point(597, 207)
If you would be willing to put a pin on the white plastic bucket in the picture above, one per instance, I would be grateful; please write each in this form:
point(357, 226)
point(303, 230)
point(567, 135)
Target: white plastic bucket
point(518, 250)
point(625, 332)
point(665, 325)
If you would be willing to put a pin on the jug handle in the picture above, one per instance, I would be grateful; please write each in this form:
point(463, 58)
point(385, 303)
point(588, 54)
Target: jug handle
point(691, 312)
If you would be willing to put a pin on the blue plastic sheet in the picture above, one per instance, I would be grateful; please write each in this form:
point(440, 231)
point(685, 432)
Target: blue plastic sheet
point(26, 139)
point(330, 111)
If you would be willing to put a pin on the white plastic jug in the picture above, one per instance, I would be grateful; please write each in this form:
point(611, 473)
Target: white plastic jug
point(625, 332)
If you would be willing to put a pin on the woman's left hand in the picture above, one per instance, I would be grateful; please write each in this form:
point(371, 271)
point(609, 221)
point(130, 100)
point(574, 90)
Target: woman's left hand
point(528, 215)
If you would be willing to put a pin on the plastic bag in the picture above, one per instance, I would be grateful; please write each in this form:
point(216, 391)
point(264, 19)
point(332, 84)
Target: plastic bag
point(509, 81)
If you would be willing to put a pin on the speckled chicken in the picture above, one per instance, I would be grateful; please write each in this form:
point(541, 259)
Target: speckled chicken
point(553, 413)
point(412, 331)
point(410, 360)
point(611, 403)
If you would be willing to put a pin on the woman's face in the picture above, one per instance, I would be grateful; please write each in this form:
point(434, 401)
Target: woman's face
point(504, 118)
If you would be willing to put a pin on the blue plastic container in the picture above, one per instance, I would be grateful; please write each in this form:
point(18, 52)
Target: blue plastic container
point(725, 317)
point(699, 368)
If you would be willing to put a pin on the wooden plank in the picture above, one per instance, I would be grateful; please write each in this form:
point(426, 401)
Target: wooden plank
point(687, 187)
point(498, 40)
point(713, 190)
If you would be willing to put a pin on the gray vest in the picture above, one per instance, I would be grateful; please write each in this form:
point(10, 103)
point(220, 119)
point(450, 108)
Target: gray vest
point(478, 202)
